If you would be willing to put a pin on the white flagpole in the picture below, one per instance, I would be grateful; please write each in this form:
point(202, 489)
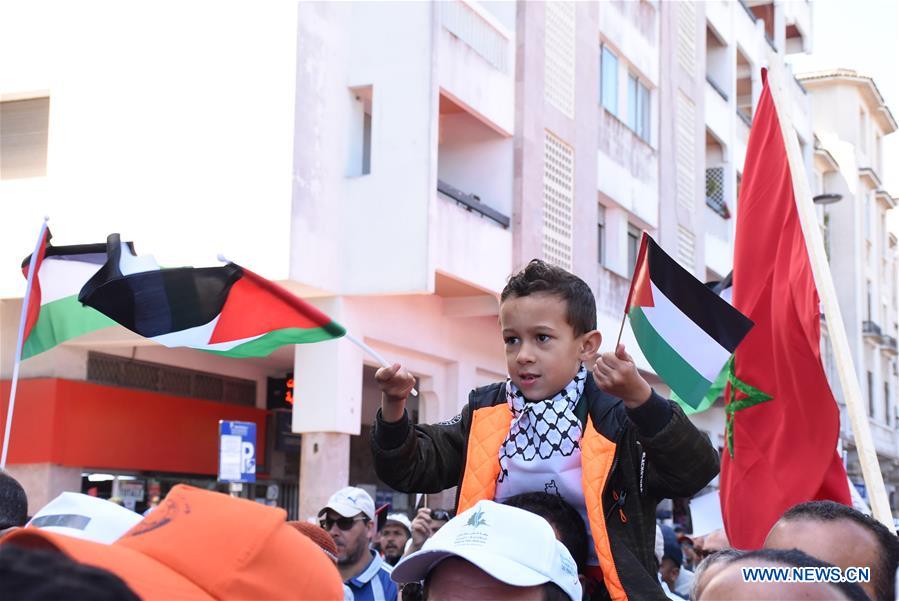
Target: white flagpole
point(375, 354)
point(864, 442)
point(365, 348)
point(19, 343)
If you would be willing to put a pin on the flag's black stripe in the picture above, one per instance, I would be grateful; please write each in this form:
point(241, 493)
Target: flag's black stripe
point(71, 251)
point(705, 308)
point(152, 303)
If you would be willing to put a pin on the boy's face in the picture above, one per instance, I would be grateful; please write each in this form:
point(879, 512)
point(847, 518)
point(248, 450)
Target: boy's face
point(542, 352)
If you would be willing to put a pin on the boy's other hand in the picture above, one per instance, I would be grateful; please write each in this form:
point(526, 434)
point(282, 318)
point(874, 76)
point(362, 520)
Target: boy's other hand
point(421, 529)
point(396, 384)
point(616, 373)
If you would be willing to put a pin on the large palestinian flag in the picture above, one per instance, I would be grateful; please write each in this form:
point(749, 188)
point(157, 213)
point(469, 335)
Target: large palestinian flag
point(54, 314)
point(227, 310)
point(686, 332)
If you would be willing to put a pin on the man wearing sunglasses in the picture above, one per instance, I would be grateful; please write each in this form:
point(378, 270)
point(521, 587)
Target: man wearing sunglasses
point(349, 517)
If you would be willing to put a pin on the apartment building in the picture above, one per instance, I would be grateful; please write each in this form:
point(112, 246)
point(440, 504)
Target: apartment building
point(737, 40)
point(850, 121)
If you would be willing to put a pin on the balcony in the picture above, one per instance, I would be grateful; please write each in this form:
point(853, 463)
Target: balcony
point(476, 63)
point(717, 116)
point(471, 242)
point(890, 345)
point(871, 330)
point(627, 169)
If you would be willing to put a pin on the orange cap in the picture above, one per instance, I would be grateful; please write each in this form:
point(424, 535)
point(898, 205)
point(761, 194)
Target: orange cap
point(199, 544)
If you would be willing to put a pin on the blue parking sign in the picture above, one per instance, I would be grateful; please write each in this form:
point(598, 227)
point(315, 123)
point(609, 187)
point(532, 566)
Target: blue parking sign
point(237, 451)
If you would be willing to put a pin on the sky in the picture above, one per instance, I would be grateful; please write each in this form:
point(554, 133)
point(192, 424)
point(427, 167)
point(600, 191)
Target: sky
point(862, 35)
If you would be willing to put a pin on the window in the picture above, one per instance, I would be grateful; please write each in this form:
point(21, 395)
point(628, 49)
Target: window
point(862, 131)
point(601, 226)
point(870, 394)
point(886, 402)
point(23, 138)
point(869, 306)
point(638, 107)
point(359, 155)
point(714, 191)
point(633, 246)
point(608, 92)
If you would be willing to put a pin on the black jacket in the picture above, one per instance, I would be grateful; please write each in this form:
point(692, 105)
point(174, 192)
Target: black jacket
point(660, 454)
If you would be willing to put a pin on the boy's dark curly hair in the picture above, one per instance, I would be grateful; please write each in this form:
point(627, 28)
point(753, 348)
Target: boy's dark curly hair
point(541, 277)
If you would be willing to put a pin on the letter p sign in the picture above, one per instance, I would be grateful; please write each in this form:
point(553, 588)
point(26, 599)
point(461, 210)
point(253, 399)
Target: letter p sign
point(247, 458)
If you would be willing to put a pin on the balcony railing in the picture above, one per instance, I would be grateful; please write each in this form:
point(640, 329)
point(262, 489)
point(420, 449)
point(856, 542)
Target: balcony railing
point(472, 203)
point(464, 22)
point(716, 87)
point(748, 11)
point(890, 345)
point(869, 328)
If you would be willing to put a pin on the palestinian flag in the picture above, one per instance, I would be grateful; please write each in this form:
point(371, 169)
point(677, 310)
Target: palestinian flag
point(686, 332)
point(54, 314)
point(227, 310)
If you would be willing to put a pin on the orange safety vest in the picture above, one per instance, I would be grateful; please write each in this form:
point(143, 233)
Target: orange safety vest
point(489, 427)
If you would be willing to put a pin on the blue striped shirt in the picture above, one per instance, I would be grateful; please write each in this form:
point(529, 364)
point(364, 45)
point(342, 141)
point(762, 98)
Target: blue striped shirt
point(374, 583)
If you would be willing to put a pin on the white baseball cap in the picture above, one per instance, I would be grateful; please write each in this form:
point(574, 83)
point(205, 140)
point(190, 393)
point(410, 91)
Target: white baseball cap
point(401, 519)
point(510, 544)
point(85, 517)
point(351, 501)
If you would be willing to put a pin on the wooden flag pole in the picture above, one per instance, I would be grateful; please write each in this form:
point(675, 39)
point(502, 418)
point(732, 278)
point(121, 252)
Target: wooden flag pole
point(864, 442)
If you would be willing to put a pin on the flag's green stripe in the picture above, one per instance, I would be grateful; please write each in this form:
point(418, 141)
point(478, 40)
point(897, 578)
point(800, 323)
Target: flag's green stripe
point(61, 320)
point(684, 381)
point(710, 397)
point(264, 345)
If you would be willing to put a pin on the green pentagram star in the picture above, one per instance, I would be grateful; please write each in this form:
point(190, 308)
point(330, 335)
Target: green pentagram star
point(754, 396)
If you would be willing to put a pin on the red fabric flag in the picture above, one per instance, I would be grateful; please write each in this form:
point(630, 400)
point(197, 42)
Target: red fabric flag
point(782, 420)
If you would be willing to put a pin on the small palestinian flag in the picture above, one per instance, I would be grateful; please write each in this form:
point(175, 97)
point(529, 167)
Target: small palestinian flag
point(686, 332)
point(227, 310)
point(54, 314)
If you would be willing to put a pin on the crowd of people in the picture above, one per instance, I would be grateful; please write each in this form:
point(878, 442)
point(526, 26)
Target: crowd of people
point(558, 472)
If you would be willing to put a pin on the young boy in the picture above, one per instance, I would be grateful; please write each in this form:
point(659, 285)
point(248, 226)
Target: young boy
point(608, 444)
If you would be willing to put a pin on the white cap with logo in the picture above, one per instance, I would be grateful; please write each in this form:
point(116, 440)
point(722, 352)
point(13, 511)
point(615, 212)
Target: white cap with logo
point(510, 544)
point(84, 516)
point(350, 502)
point(399, 518)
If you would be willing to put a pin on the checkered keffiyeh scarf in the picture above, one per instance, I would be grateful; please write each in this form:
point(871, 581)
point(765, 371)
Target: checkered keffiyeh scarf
point(543, 428)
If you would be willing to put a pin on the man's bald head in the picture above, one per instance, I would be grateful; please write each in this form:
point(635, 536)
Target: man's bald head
point(729, 584)
point(844, 537)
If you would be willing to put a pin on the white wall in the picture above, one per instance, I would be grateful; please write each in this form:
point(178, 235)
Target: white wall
point(170, 124)
point(476, 160)
point(364, 234)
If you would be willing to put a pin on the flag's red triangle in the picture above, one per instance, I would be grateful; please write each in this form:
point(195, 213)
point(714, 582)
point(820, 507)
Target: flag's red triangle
point(641, 290)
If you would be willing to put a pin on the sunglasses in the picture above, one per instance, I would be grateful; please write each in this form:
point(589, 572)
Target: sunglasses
point(342, 523)
point(440, 515)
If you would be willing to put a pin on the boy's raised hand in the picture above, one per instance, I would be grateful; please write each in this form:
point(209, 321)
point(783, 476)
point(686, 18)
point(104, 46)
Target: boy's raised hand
point(616, 373)
point(396, 383)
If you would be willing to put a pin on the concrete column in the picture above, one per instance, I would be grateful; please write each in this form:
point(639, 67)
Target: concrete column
point(324, 469)
point(43, 482)
point(328, 380)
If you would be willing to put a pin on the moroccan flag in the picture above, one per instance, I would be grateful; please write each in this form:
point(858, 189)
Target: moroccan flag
point(686, 332)
point(227, 310)
point(782, 420)
point(54, 313)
